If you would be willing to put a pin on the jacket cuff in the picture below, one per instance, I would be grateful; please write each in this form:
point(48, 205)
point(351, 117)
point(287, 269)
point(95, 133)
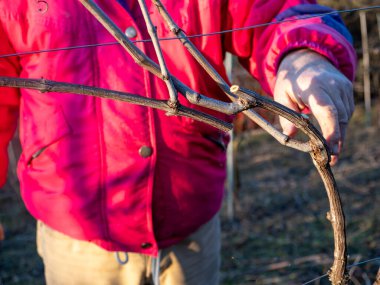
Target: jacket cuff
point(312, 34)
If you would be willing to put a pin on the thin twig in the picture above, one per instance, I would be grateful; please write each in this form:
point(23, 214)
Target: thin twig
point(164, 71)
point(192, 49)
point(254, 116)
point(141, 59)
point(317, 146)
point(138, 56)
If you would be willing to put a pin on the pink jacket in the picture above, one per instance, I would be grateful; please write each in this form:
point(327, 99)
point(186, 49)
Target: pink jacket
point(126, 177)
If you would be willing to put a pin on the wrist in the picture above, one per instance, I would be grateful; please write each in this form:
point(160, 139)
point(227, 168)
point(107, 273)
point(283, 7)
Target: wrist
point(298, 59)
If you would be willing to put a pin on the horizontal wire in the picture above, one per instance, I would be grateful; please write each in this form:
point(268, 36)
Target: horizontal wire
point(302, 17)
point(348, 267)
point(315, 279)
point(363, 262)
point(197, 35)
point(214, 34)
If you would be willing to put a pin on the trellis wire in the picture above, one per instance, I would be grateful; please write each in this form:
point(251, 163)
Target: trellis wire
point(241, 92)
point(197, 35)
point(348, 267)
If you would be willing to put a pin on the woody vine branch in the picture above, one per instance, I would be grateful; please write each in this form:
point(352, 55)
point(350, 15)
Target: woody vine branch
point(243, 100)
point(319, 150)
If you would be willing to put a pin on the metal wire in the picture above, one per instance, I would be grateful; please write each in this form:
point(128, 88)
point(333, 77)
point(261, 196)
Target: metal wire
point(197, 35)
point(26, 53)
point(348, 267)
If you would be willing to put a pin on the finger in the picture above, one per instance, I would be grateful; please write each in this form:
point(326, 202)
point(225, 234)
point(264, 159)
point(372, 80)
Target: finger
point(344, 104)
point(288, 128)
point(347, 95)
point(350, 98)
point(326, 113)
point(342, 128)
point(335, 158)
point(344, 113)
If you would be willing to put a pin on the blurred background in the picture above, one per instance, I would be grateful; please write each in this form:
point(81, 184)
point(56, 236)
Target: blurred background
point(274, 222)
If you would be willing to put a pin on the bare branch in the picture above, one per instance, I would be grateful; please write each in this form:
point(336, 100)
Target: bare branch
point(192, 49)
point(254, 116)
point(247, 99)
point(317, 146)
point(243, 100)
point(195, 98)
point(299, 120)
point(319, 153)
point(139, 57)
point(164, 71)
point(44, 85)
point(145, 62)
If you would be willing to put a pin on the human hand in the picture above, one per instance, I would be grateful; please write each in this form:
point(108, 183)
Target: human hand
point(306, 79)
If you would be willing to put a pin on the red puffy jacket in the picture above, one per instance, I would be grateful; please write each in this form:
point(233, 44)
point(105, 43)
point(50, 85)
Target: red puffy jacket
point(122, 176)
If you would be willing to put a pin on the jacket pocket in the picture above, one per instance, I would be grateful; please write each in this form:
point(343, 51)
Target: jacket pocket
point(40, 132)
point(219, 140)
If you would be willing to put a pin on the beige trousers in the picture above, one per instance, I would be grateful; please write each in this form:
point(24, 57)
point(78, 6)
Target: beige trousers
point(194, 261)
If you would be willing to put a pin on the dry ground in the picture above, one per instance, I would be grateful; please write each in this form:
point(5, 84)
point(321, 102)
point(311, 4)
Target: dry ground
point(279, 235)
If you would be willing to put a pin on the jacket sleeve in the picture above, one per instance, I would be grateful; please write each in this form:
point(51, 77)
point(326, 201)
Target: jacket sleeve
point(9, 102)
point(283, 26)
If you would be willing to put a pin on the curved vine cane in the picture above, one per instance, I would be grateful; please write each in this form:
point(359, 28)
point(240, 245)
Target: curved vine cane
point(243, 100)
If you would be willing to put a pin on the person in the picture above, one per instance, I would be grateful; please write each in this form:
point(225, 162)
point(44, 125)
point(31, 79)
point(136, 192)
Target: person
point(106, 178)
